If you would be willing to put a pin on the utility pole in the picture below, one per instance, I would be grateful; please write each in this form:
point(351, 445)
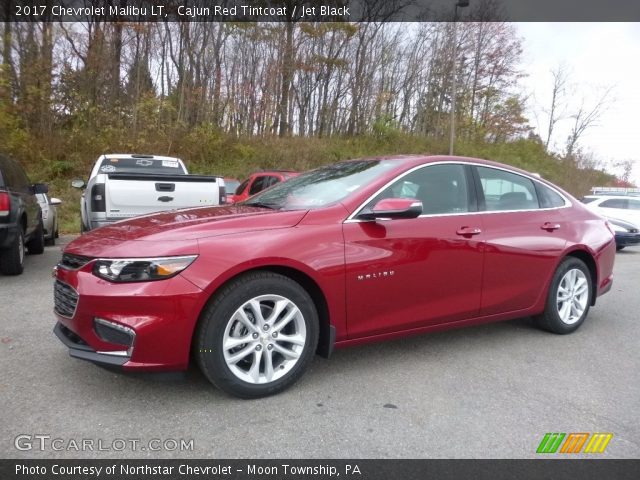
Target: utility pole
point(454, 80)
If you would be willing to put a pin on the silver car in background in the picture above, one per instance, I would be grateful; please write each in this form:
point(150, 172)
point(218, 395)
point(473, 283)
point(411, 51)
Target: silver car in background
point(49, 217)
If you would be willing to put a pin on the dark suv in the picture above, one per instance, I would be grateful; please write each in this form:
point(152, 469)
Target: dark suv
point(20, 216)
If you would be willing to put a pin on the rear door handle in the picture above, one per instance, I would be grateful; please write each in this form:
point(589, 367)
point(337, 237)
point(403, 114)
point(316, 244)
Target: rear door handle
point(550, 227)
point(468, 231)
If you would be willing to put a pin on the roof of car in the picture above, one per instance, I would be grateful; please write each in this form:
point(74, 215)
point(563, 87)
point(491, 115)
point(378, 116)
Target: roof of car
point(137, 155)
point(427, 158)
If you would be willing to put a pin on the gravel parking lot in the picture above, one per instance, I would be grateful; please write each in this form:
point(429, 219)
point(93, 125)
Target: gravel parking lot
point(482, 392)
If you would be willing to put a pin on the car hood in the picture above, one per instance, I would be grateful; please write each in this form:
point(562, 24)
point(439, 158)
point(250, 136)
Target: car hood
point(177, 229)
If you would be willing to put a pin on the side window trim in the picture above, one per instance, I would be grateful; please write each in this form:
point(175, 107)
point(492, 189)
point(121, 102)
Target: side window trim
point(479, 192)
point(473, 195)
point(482, 205)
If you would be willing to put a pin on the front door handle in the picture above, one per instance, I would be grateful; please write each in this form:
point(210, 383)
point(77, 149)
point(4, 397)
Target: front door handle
point(468, 231)
point(550, 227)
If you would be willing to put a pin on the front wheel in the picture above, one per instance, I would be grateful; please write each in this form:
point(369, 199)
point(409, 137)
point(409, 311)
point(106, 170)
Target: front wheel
point(569, 297)
point(258, 335)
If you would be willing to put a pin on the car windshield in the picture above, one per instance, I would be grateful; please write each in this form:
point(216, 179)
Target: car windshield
point(323, 186)
point(141, 165)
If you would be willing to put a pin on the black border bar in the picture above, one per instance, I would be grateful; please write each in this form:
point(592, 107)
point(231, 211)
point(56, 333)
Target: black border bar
point(319, 10)
point(319, 469)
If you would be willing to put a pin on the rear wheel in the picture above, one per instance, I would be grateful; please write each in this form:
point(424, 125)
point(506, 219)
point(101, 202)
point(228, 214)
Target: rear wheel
point(569, 297)
point(12, 258)
point(36, 244)
point(258, 336)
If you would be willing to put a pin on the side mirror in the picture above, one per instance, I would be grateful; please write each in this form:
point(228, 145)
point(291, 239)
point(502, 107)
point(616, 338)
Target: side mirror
point(40, 188)
point(55, 201)
point(393, 208)
point(77, 183)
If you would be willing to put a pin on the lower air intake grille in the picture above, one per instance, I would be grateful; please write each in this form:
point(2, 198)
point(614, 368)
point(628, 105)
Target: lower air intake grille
point(65, 299)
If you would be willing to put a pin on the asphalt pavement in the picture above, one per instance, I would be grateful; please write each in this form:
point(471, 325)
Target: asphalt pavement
point(483, 392)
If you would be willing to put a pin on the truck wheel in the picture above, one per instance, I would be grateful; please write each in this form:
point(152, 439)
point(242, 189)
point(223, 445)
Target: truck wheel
point(12, 258)
point(36, 244)
point(258, 336)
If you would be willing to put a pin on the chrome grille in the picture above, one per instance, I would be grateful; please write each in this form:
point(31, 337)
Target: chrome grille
point(73, 262)
point(65, 299)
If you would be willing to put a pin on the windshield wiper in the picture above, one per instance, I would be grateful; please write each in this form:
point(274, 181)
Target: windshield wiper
point(272, 206)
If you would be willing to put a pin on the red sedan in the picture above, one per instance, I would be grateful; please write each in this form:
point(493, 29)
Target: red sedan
point(359, 251)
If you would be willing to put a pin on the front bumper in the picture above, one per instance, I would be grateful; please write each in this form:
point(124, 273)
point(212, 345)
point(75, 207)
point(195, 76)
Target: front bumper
point(160, 315)
point(79, 349)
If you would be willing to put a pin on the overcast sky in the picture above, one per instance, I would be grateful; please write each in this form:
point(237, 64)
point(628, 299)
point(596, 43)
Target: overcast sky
point(597, 55)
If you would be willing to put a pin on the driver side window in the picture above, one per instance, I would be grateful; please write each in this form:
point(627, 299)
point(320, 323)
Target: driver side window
point(441, 188)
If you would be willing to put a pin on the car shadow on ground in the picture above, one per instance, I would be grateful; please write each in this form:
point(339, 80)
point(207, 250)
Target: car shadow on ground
point(392, 354)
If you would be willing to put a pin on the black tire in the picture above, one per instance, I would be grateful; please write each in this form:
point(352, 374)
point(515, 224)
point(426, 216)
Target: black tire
point(51, 241)
point(219, 320)
point(551, 319)
point(12, 258)
point(35, 245)
point(620, 247)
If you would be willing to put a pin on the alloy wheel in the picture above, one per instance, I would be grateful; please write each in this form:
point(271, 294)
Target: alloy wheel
point(572, 296)
point(264, 339)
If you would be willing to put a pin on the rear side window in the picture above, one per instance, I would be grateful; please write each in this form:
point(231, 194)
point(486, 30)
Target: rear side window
point(548, 198)
point(614, 203)
point(586, 200)
point(507, 191)
point(634, 204)
point(14, 176)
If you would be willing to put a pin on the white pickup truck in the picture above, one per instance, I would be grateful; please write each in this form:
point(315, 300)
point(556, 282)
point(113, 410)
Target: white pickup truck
point(127, 185)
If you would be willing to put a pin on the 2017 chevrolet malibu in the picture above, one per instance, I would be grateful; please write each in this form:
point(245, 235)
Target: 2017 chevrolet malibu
point(359, 251)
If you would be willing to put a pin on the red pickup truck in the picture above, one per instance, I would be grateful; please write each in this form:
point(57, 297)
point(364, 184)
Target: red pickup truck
point(257, 182)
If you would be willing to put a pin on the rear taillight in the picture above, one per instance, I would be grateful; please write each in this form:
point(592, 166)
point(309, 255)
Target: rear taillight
point(98, 201)
point(5, 204)
point(223, 195)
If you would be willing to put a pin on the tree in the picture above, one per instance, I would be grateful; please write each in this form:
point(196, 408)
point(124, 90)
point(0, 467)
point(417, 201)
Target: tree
point(587, 116)
point(556, 110)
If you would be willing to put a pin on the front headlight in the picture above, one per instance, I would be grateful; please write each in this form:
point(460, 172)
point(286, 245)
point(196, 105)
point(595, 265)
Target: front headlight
point(140, 269)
